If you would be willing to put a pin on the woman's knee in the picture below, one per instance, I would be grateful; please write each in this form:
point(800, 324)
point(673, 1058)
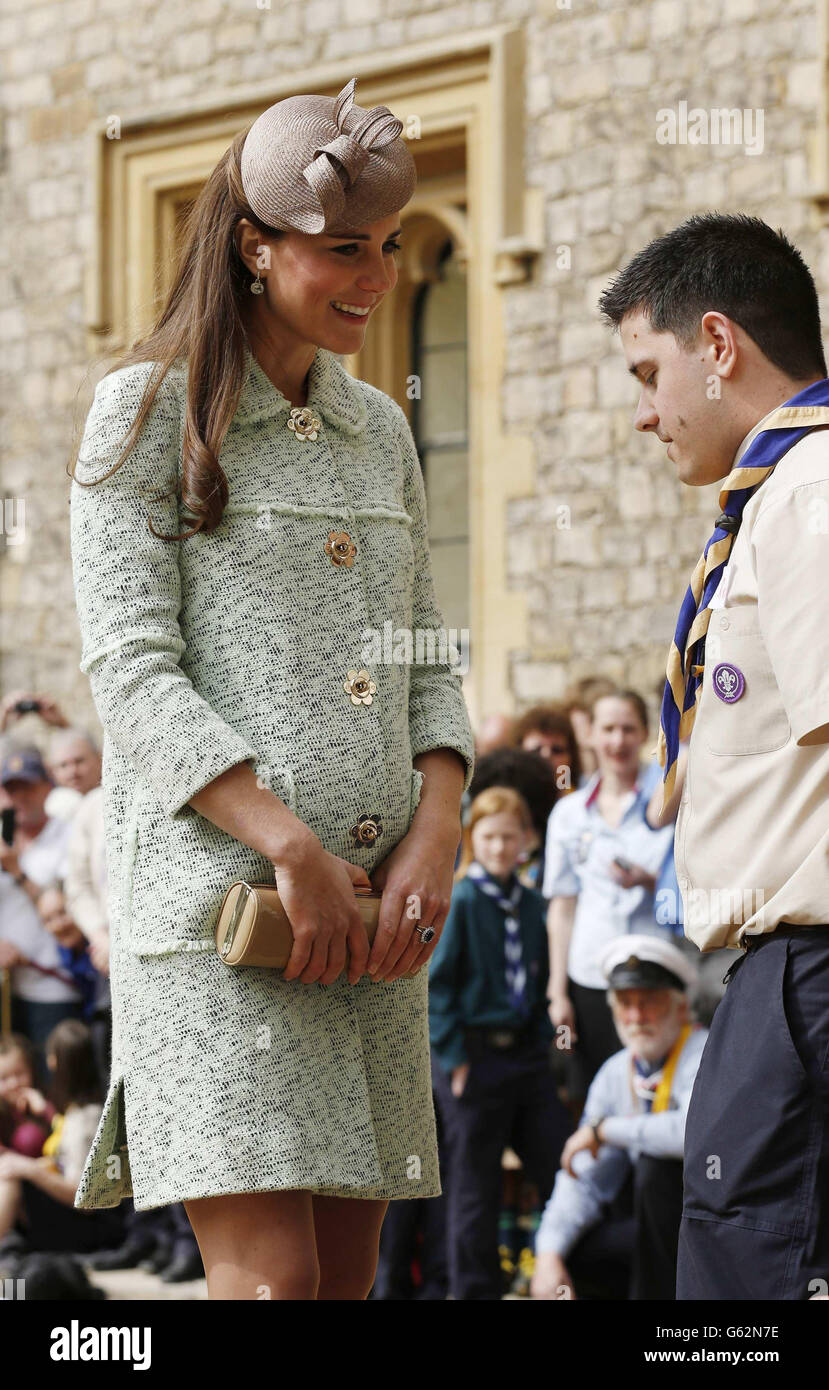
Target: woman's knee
point(259, 1243)
point(347, 1285)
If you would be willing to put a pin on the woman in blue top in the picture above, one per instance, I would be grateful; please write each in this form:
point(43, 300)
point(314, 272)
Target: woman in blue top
point(601, 862)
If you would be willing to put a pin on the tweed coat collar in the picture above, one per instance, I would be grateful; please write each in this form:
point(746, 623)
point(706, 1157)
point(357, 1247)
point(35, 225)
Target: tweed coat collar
point(333, 393)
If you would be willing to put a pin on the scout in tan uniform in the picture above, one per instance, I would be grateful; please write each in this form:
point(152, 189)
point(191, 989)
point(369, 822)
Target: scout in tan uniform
point(720, 325)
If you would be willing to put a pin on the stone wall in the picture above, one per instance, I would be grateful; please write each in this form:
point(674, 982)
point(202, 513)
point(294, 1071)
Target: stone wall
point(602, 589)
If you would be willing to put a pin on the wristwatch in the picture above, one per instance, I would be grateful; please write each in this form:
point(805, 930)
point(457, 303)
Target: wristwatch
point(595, 1129)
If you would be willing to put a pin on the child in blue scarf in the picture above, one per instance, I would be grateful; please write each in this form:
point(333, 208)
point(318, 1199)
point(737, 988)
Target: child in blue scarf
point(491, 1036)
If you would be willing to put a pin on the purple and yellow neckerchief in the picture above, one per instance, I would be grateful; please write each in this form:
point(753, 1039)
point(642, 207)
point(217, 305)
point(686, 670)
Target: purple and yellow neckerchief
point(807, 410)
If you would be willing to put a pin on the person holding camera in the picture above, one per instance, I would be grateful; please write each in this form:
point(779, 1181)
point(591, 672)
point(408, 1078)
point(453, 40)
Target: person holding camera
point(32, 855)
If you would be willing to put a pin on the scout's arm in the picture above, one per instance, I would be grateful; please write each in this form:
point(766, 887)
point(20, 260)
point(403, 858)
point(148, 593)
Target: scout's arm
point(654, 814)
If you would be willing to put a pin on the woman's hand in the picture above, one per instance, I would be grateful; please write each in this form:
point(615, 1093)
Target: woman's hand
point(11, 956)
point(9, 861)
point(551, 1277)
point(633, 877)
point(416, 882)
point(459, 1077)
point(15, 1165)
point(317, 892)
point(584, 1138)
point(562, 1015)
point(99, 949)
point(33, 1100)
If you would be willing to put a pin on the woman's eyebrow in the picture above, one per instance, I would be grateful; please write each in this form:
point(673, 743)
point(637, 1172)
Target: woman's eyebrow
point(358, 236)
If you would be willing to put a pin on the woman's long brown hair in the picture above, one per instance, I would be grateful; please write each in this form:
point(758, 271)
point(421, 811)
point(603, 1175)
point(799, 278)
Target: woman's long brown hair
point(201, 324)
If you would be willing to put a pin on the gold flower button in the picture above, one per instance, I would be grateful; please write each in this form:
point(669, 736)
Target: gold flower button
point(304, 422)
point(360, 687)
point(341, 548)
point(367, 830)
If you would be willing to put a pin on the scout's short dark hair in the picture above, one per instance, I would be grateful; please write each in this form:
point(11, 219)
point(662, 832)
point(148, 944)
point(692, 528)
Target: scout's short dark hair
point(737, 265)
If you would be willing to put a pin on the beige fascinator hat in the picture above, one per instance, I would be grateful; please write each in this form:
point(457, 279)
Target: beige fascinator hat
point(321, 163)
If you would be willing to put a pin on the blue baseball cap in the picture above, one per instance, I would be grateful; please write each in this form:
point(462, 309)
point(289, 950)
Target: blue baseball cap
point(23, 765)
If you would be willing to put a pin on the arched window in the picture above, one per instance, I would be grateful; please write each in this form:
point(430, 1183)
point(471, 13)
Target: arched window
point(440, 423)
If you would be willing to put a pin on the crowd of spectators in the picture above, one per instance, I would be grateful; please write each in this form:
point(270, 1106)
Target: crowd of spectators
point(546, 1065)
point(539, 1033)
point(55, 1005)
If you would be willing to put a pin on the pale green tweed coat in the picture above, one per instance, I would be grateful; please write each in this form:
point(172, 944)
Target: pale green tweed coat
point(230, 647)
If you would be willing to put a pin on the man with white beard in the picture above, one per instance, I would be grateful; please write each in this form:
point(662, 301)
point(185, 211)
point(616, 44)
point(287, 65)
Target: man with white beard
point(631, 1136)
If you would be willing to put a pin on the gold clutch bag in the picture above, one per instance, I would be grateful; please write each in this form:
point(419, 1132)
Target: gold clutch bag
point(253, 926)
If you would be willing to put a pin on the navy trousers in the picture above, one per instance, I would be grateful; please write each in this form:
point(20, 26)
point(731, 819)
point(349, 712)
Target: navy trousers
point(631, 1254)
point(755, 1221)
point(510, 1099)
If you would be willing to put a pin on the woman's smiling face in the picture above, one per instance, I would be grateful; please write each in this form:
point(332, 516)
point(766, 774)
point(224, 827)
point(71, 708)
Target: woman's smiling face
point(309, 275)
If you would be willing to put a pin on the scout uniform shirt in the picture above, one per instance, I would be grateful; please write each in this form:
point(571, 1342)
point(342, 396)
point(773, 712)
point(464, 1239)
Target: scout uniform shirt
point(752, 835)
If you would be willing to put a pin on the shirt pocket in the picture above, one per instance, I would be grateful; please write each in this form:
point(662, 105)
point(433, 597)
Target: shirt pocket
point(178, 869)
point(748, 720)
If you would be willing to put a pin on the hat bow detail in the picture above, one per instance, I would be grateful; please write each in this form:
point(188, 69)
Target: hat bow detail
point(337, 164)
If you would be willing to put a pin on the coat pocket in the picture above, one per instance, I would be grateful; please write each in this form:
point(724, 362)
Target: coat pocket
point(176, 871)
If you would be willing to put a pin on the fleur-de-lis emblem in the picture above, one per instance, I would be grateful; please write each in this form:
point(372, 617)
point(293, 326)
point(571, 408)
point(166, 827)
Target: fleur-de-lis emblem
point(341, 548)
point(360, 687)
point(304, 423)
point(729, 682)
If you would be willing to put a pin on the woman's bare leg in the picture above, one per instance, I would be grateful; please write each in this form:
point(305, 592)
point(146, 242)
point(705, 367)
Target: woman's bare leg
point(348, 1236)
point(257, 1244)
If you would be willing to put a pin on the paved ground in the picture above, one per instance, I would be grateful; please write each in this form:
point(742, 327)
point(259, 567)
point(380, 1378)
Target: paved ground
point(126, 1284)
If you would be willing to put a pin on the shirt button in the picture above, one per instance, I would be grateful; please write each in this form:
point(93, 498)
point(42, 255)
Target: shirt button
point(724, 623)
point(340, 548)
point(367, 830)
point(360, 687)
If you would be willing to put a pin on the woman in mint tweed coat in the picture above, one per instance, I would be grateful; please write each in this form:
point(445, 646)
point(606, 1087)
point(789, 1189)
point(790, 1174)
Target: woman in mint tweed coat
point(252, 731)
